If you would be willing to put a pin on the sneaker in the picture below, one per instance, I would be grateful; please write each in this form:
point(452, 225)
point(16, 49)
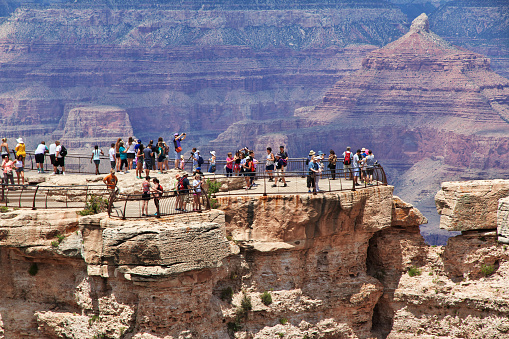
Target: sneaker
point(274, 185)
point(357, 184)
point(126, 172)
point(63, 173)
point(309, 191)
point(143, 215)
point(285, 185)
point(271, 179)
point(52, 173)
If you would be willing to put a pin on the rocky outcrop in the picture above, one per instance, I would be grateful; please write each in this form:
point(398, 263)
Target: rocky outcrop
point(470, 205)
point(95, 125)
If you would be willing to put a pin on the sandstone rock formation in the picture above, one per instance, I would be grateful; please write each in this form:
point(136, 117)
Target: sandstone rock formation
point(95, 125)
point(344, 265)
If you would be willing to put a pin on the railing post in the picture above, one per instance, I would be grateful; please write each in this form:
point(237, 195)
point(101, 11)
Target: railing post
point(35, 194)
point(125, 206)
point(353, 178)
point(265, 186)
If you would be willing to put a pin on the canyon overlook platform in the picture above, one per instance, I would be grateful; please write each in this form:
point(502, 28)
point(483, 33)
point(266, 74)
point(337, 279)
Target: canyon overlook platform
point(335, 265)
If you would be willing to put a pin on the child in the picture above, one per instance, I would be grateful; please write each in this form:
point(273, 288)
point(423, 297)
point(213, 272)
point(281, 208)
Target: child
point(197, 182)
point(20, 172)
point(182, 162)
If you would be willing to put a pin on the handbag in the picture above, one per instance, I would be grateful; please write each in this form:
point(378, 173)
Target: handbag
point(178, 149)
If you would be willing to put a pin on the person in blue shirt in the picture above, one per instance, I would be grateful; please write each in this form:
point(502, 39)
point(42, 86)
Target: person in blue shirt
point(313, 170)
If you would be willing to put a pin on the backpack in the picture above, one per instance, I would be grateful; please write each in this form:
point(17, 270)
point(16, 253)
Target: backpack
point(63, 151)
point(180, 185)
point(200, 160)
point(348, 158)
point(285, 162)
point(160, 188)
point(166, 150)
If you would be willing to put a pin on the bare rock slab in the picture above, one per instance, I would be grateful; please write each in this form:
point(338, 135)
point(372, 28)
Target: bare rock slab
point(470, 205)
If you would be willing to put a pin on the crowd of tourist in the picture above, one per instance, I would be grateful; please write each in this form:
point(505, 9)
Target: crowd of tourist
point(154, 156)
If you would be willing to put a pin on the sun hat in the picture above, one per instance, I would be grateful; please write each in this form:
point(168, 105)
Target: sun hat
point(197, 151)
point(213, 153)
point(311, 153)
point(20, 141)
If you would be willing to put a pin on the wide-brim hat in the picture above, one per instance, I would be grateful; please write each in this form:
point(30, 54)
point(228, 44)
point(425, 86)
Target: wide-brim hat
point(20, 141)
point(197, 151)
point(311, 153)
point(213, 152)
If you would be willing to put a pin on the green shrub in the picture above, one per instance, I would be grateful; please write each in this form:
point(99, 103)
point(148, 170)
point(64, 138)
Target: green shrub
point(214, 204)
point(283, 321)
point(33, 269)
point(245, 304)
point(487, 270)
point(93, 319)
point(280, 334)
point(4, 209)
point(60, 238)
point(94, 205)
point(266, 298)
point(227, 294)
point(213, 187)
point(55, 243)
point(414, 271)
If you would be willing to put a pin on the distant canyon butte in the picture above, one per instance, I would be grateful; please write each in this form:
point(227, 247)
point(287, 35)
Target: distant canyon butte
point(431, 99)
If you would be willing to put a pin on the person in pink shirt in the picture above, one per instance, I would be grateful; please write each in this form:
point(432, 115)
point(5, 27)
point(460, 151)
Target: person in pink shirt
point(229, 165)
point(7, 167)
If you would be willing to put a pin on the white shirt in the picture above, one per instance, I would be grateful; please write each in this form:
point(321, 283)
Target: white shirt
point(41, 149)
point(197, 185)
point(111, 152)
point(131, 148)
point(52, 148)
point(58, 149)
point(96, 154)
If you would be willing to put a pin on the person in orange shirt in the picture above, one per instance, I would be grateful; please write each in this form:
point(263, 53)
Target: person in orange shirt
point(111, 180)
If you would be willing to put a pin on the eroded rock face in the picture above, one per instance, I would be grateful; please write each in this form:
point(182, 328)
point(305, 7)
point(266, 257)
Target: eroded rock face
point(470, 205)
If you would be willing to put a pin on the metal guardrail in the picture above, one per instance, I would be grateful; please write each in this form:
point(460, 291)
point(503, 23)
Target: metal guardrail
point(79, 163)
point(159, 205)
point(49, 197)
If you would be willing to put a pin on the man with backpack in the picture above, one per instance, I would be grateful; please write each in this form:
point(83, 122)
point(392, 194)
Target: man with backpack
point(197, 162)
point(60, 154)
point(347, 163)
point(182, 192)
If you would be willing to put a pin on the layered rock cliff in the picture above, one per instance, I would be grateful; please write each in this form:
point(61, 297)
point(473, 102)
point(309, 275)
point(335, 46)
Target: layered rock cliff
point(345, 265)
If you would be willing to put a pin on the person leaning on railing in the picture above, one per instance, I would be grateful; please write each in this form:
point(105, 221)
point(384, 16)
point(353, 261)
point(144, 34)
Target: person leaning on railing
point(182, 192)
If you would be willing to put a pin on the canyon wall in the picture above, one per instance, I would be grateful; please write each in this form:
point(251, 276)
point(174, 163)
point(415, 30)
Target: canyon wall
point(345, 265)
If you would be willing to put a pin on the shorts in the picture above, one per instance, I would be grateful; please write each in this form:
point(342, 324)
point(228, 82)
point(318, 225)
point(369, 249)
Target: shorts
point(356, 172)
point(52, 159)
point(176, 154)
point(236, 167)
point(130, 155)
point(269, 168)
point(148, 163)
point(39, 158)
point(20, 169)
point(369, 171)
point(97, 162)
point(347, 166)
point(117, 156)
point(60, 162)
point(145, 196)
point(161, 159)
point(112, 164)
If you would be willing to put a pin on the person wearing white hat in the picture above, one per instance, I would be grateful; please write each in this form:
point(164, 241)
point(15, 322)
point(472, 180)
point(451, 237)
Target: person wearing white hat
point(20, 150)
point(212, 160)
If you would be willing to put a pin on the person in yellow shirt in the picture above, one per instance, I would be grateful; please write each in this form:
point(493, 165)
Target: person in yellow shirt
point(20, 150)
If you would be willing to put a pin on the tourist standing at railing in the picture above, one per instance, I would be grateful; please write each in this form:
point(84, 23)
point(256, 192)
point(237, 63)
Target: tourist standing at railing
point(20, 149)
point(249, 171)
point(20, 171)
point(332, 163)
point(356, 161)
point(60, 153)
point(177, 146)
point(145, 196)
point(370, 164)
point(197, 186)
point(117, 154)
point(96, 158)
point(52, 156)
point(130, 152)
point(7, 167)
point(229, 164)
point(364, 154)
point(182, 162)
point(347, 163)
point(154, 154)
point(157, 192)
point(123, 157)
point(280, 170)
point(166, 148)
point(160, 155)
point(313, 172)
point(319, 163)
point(112, 155)
point(284, 157)
point(182, 192)
point(269, 163)
point(39, 156)
point(139, 161)
point(4, 146)
point(212, 162)
point(236, 163)
point(147, 157)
